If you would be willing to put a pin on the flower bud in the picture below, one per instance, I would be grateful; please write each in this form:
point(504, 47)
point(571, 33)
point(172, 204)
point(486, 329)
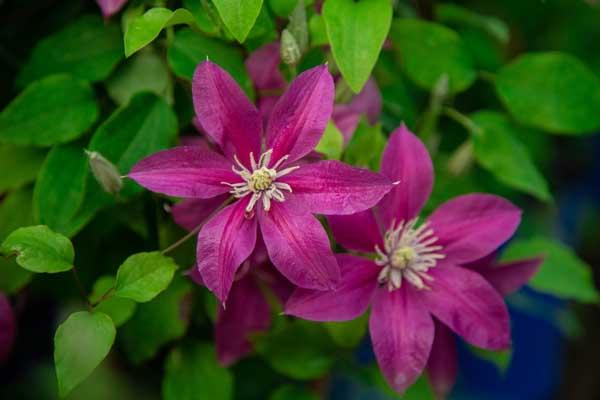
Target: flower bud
point(290, 51)
point(105, 172)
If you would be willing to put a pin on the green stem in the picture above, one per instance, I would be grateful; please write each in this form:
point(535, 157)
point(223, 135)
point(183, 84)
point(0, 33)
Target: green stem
point(428, 124)
point(108, 294)
point(463, 120)
point(462, 158)
point(81, 288)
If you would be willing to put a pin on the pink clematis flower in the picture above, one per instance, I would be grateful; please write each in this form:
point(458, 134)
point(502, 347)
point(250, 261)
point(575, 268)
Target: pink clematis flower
point(7, 327)
point(110, 7)
point(506, 278)
point(415, 273)
point(262, 175)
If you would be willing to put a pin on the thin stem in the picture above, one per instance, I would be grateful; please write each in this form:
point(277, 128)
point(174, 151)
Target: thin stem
point(428, 124)
point(462, 158)
point(463, 120)
point(81, 288)
point(105, 296)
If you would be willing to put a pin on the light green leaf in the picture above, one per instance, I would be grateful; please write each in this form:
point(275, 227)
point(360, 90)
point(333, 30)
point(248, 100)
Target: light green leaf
point(89, 49)
point(192, 373)
point(500, 359)
point(562, 273)
point(497, 148)
point(239, 16)
point(366, 146)
point(80, 345)
point(455, 14)
point(428, 50)
point(56, 109)
point(552, 91)
point(144, 275)
point(38, 249)
point(348, 334)
point(118, 309)
point(317, 30)
point(290, 392)
point(201, 12)
point(355, 43)
point(19, 165)
point(332, 142)
point(145, 28)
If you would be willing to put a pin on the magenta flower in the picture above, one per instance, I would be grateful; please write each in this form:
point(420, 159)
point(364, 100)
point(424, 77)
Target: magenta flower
point(110, 7)
point(415, 274)
point(506, 278)
point(263, 176)
point(7, 327)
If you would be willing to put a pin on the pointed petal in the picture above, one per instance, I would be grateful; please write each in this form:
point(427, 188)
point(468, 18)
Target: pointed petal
point(470, 227)
point(192, 212)
point(225, 113)
point(468, 305)
point(247, 312)
point(299, 118)
point(358, 231)
point(7, 327)
point(223, 244)
point(263, 67)
point(185, 172)
point(349, 300)
point(402, 334)
point(299, 247)
point(442, 367)
point(405, 159)
point(507, 278)
point(368, 101)
point(334, 188)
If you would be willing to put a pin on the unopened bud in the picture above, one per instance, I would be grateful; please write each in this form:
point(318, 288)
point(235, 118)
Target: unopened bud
point(289, 50)
point(298, 26)
point(105, 172)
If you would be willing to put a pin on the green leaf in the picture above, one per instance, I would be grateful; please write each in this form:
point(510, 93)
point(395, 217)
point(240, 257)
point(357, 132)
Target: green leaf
point(562, 273)
point(366, 146)
point(552, 91)
point(204, 20)
point(190, 48)
point(144, 275)
point(497, 148)
point(56, 109)
point(80, 345)
point(317, 30)
point(38, 249)
point(298, 26)
point(290, 392)
point(89, 49)
point(19, 165)
point(12, 277)
point(146, 71)
point(332, 142)
point(118, 309)
point(454, 14)
point(354, 42)
point(428, 50)
point(348, 334)
point(145, 28)
point(192, 373)
point(157, 322)
point(500, 359)
point(239, 16)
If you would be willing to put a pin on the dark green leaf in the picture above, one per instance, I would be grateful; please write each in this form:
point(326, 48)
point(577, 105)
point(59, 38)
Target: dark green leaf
point(19, 165)
point(239, 16)
point(454, 14)
point(144, 275)
point(289, 392)
point(365, 147)
point(500, 359)
point(348, 334)
point(204, 20)
point(118, 309)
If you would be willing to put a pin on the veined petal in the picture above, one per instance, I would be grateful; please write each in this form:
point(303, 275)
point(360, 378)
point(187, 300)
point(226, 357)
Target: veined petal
point(348, 301)
point(405, 160)
point(263, 67)
point(185, 172)
point(7, 327)
point(192, 212)
point(358, 231)
point(442, 367)
point(467, 304)
point(402, 334)
point(247, 312)
point(299, 118)
point(298, 247)
point(110, 7)
point(223, 244)
point(334, 188)
point(509, 277)
point(225, 113)
point(470, 227)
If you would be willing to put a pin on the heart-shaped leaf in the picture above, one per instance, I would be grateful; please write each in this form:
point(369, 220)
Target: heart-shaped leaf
point(239, 16)
point(144, 275)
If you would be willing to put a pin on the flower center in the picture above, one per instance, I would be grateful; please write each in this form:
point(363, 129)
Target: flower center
point(409, 252)
point(261, 183)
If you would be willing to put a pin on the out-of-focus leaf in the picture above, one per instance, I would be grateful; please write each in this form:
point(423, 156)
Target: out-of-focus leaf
point(355, 43)
point(562, 273)
point(145, 28)
point(365, 147)
point(117, 308)
point(348, 334)
point(19, 165)
point(290, 392)
point(427, 51)
point(497, 148)
point(56, 109)
point(317, 30)
point(420, 390)
point(192, 373)
point(80, 345)
point(144, 275)
point(455, 14)
point(12, 277)
point(89, 49)
point(203, 19)
point(332, 142)
point(239, 16)
point(552, 91)
point(500, 359)
point(298, 26)
point(38, 249)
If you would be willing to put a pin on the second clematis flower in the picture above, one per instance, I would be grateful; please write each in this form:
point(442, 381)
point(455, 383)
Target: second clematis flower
point(264, 177)
point(415, 275)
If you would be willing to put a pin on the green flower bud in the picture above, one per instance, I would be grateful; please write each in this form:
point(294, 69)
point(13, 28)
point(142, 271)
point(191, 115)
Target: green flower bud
point(105, 172)
point(290, 51)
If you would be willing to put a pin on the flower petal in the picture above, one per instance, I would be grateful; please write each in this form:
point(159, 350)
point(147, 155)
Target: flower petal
point(332, 187)
point(7, 327)
point(468, 305)
point(185, 172)
point(358, 231)
point(110, 7)
point(405, 159)
point(347, 116)
point(402, 334)
point(509, 277)
point(299, 247)
point(349, 300)
point(223, 244)
point(192, 212)
point(263, 67)
point(281, 287)
point(247, 312)
point(346, 120)
point(299, 118)
point(225, 113)
point(470, 227)
point(442, 367)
